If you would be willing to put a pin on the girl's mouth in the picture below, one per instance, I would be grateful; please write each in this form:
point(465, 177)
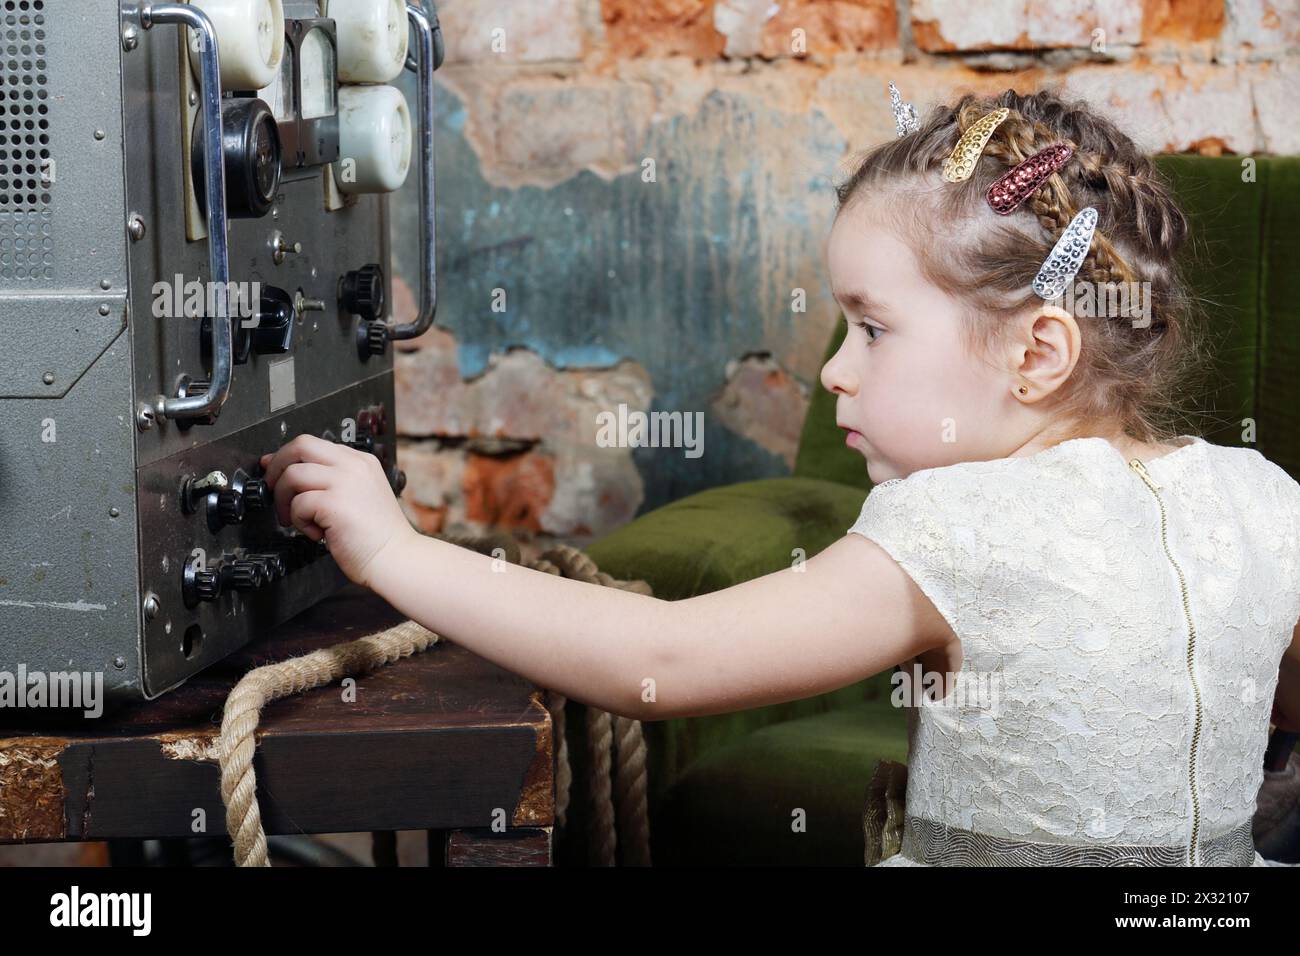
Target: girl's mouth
point(851, 437)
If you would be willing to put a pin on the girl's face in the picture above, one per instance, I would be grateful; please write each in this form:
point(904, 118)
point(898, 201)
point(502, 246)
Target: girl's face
point(907, 392)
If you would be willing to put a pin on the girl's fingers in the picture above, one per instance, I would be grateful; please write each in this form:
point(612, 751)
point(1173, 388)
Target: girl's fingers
point(296, 479)
point(304, 448)
point(303, 513)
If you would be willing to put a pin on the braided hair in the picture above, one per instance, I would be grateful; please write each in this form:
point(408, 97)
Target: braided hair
point(1136, 376)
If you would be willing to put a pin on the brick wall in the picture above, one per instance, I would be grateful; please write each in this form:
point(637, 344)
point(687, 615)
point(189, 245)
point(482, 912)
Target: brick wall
point(634, 195)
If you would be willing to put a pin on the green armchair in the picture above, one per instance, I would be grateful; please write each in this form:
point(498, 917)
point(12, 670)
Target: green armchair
point(724, 789)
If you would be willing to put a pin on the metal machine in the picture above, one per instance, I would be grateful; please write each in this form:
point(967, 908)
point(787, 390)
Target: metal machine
point(194, 268)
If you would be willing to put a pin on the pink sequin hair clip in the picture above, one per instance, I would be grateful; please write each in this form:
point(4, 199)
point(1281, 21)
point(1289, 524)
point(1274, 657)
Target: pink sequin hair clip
point(1012, 188)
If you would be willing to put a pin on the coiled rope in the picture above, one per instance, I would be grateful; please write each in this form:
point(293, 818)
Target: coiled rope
point(615, 746)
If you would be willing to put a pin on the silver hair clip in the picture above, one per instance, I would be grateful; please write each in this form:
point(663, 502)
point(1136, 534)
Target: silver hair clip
point(1063, 262)
point(904, 113)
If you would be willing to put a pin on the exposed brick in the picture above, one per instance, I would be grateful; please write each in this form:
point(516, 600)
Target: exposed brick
point(1174, 108)
point(1273, 88)
point(433, 497)
point(954, 25)
point(582, 489)
point(507, 31)
point(763, 402)
point(508, 492)
point(765, 28)
point(1182, 19)
point(1263, 28)
point(636, 28)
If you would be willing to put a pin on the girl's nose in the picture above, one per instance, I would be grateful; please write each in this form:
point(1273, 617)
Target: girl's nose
point(837, 377)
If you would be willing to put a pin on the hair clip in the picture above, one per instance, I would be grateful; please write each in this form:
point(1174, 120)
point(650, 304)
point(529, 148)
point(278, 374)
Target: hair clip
point(904, 113)
point(1012, 188)
point(961, 161)
point(1063, 262)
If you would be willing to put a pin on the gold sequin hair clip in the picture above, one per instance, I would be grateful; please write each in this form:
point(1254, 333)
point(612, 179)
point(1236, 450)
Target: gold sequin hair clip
point(961, 161)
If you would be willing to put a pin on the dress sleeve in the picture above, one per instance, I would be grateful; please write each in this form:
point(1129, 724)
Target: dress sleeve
point(905, 518)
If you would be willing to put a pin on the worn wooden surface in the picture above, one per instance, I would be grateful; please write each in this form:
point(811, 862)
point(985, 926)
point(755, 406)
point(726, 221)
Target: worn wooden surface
point(441, 740)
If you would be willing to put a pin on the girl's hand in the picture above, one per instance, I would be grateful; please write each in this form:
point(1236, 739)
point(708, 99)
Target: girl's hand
point(331, 491)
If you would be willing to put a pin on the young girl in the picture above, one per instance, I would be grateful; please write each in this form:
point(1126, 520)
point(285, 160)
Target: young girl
point(1129, 593)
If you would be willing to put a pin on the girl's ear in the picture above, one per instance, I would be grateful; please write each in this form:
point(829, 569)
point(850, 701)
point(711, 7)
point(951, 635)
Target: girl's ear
point(1045, 352)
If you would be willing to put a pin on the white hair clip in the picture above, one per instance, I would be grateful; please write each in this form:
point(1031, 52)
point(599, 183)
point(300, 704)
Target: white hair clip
point(1063, 262)
point(904, 113)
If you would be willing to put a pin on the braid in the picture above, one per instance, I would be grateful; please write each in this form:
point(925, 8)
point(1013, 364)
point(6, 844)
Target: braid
point(1018, 138)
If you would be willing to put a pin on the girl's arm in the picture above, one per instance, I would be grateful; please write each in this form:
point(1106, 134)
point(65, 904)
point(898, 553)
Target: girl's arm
point(849, 613)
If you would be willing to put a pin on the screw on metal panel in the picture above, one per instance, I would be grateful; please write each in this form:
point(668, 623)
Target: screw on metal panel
point(280, 247)
point(135, 226)
point(303, 304)
point(105, 284)
point(151, 607)
point(194, 98)
point(103, 309)
point(99, 134)
point(119, 661)
point(144, 417)
point(284, 429)
point(48, 378)
point(130, 38)
point(113, 512)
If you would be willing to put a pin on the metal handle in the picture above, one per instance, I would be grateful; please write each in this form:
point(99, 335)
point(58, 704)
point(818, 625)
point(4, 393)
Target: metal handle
point(209, 402)
point(426, 29)
point(438, 50)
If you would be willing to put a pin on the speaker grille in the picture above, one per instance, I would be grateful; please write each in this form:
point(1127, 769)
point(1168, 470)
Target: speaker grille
point(26, 169)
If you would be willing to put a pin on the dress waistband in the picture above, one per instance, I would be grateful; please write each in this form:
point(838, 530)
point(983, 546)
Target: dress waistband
point(938, 844)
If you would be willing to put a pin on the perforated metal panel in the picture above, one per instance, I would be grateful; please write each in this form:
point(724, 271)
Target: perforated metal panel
point(26, 167)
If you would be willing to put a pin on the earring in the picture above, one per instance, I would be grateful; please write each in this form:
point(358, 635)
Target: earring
point(1023, 390)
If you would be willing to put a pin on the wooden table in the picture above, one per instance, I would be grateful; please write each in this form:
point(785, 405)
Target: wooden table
point(442, 741)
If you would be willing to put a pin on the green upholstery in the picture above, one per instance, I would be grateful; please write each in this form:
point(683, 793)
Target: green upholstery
point(723, 789)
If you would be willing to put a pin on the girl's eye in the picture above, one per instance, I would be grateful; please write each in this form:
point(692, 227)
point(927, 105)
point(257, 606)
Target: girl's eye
point(873, 333)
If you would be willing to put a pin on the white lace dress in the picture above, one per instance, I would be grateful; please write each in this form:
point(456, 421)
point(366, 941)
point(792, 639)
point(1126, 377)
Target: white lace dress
point(1120, 650)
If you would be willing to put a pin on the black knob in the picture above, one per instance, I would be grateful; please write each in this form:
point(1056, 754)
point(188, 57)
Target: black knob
point(207, 585)
point(372, 339)
point(276, 318)
point(250, 143)
point(274, 564)
point(397, 478)
point(257, 496)
point(361, 292)
point(224, 508)
point(243, 575)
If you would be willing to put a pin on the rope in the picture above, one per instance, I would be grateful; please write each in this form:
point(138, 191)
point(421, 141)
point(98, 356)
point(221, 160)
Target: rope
point(615, 746)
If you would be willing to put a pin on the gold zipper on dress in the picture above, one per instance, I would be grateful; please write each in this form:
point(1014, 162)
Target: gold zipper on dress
point(1137, 466)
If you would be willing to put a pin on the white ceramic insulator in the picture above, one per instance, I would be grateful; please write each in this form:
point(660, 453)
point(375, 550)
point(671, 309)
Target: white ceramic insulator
point(250, 41)
point(372, 37)
point(374, 139)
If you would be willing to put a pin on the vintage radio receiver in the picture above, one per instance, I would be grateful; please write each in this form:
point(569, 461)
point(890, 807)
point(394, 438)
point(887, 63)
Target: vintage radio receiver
point(194, 268)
